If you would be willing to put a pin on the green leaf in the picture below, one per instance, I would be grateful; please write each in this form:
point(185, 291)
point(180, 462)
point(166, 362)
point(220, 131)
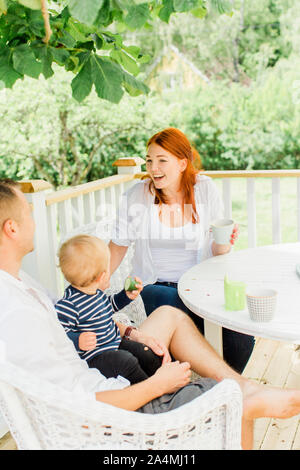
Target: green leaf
point(166, 11)
point(199, 12)
point(133, 86)
point(137, 15)
point(33, 4)
point(36, 23)
point(107, 77)
point(85, 11)
point(83, 57)
point(3, 7)
point(60, 55)
point(7, 73)
point(121, 27)
point(125, 60)
point(144, 59)
point(99, 41)
point(134, 51)
point(82, 83)
point(103, 17)
point(25, 62)
point(222, 6)
point(73, 64)
point(66, 39)
point(44, 55)
point(74, 30)
point(185, 5)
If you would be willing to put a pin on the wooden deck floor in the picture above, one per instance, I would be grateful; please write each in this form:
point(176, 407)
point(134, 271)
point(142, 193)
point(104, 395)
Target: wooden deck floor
point(278, 364)
point(272, 363)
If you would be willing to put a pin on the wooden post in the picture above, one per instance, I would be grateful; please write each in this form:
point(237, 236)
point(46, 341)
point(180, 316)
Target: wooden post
point(131, 165)
point(39, 263)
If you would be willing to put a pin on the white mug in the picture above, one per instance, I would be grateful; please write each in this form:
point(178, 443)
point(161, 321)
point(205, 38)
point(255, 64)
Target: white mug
point(222, 230)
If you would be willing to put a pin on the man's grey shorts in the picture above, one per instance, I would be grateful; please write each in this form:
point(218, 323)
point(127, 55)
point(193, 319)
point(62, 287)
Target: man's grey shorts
point(184, 395)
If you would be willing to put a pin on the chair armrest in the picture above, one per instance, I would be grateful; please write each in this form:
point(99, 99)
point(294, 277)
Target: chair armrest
point(33, 406)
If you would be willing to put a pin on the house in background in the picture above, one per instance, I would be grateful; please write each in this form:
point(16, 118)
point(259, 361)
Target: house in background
point(171, 70)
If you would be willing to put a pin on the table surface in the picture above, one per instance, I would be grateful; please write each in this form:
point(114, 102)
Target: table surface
point(201, 289)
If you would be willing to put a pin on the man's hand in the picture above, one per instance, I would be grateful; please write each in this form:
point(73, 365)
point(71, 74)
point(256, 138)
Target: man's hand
point(157, 346)
point(172, 376)
point(134, 293)
point(87, 341)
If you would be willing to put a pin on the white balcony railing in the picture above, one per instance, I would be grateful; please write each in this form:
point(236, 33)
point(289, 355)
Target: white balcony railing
point(59, 214)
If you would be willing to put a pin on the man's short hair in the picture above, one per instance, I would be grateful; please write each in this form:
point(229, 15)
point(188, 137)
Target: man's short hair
point(10, 207)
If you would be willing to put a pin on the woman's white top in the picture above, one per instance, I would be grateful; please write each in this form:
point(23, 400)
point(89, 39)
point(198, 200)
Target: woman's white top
point(136, 215)
point(172, 248)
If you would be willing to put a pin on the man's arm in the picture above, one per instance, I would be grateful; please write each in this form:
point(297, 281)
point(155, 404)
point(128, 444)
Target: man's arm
point(167, 379)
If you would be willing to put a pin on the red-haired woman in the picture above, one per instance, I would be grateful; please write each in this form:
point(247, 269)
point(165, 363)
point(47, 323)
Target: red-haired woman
point(167, 217)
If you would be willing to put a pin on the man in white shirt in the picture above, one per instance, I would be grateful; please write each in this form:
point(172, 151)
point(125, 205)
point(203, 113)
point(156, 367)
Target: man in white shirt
point(36, 341)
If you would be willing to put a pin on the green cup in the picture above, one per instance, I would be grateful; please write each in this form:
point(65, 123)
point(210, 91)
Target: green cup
point(235, 294)
point(130, 284)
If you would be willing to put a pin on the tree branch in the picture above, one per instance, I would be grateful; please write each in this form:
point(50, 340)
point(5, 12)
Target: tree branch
point(45, 14)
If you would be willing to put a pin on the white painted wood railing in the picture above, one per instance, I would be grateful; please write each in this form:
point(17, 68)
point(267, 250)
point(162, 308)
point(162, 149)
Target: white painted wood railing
point(250, 178)
point(78, 209)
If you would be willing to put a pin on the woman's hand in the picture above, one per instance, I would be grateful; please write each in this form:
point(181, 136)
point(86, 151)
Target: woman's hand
point(235, 234)
point(157, 346)
point(223, 249)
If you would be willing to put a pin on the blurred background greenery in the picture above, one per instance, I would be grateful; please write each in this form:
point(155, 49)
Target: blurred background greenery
point(231, 83)
point(263, 194)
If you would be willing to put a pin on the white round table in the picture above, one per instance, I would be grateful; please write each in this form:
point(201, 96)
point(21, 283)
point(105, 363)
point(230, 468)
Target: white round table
point(201, 289)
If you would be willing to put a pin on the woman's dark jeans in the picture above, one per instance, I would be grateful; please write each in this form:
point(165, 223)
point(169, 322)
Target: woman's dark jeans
point(237, 347)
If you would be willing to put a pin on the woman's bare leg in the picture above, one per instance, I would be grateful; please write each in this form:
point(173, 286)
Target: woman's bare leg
point(178, 332)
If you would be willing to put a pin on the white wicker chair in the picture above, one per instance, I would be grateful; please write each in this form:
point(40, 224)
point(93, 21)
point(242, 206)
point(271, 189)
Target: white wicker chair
point(43, 416)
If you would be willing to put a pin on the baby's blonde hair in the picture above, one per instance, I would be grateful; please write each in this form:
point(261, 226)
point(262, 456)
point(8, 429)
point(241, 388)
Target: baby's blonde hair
point(83, 258)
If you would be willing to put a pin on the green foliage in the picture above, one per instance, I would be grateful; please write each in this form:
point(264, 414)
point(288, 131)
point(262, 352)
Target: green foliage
point(237, 46)
point(248, 123)
point(255, 127)
point(46, 134)
point(3, 7)
point(83, 37)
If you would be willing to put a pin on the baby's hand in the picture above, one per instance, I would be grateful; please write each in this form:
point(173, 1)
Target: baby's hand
point(87, 341)
point(134, 293)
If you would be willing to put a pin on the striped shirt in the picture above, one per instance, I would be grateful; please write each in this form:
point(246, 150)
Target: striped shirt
point(79, 312)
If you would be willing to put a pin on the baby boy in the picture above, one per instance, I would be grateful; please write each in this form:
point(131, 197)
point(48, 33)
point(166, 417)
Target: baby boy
point(86, 312)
